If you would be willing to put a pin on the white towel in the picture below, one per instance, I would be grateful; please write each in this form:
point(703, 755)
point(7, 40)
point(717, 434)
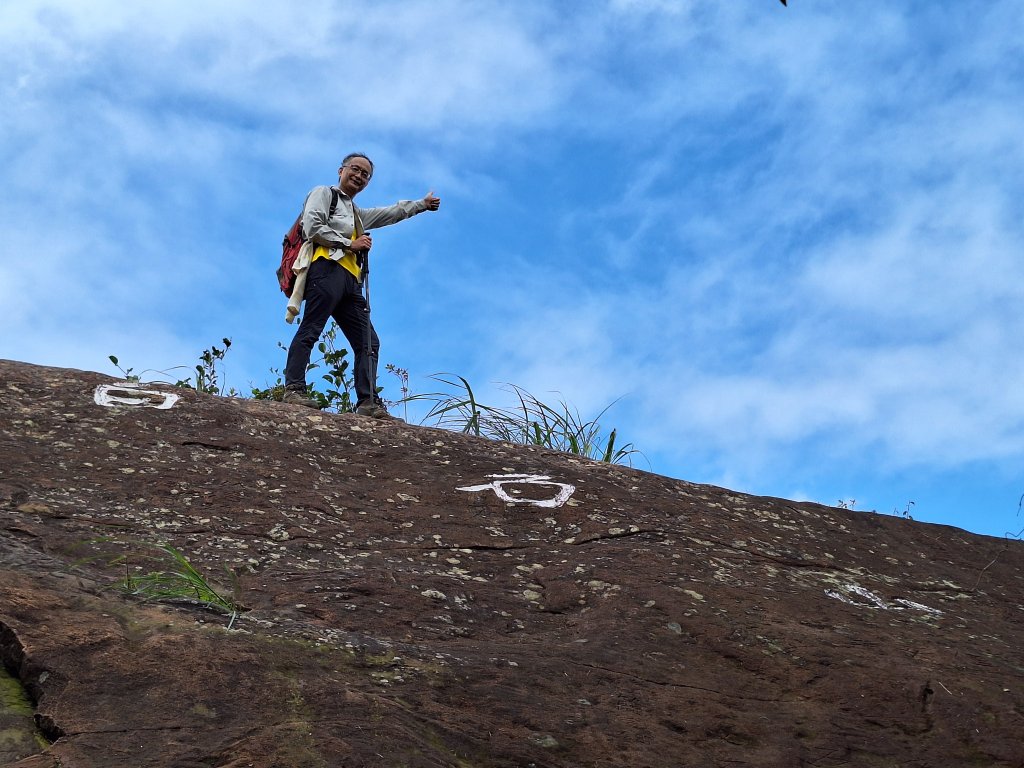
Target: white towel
point(300, 268)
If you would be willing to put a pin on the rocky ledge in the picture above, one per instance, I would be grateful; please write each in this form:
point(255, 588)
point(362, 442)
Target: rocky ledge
point(403, 596)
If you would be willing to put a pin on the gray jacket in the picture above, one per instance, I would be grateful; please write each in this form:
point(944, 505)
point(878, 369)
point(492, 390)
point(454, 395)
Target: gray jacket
point(339, 232)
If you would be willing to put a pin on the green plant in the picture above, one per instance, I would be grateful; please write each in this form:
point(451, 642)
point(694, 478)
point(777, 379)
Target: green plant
point(276, 390)
point(403, 377)
point(128, 375)
point(207, 377)
point(337, 396)
point(181, 581)
point(533, 422)
point(905, 512)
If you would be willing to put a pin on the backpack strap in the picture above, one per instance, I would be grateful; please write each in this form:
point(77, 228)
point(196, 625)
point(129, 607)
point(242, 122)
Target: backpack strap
point(358, 230)
point(334, 203)
point(330, 211)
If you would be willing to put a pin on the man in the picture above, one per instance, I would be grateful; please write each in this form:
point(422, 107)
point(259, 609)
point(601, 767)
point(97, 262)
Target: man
point(333, 281)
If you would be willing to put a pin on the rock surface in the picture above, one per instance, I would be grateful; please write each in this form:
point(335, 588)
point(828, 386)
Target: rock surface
point(396, 610)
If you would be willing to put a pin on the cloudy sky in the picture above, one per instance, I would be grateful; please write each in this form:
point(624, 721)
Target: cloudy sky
point(785, 241)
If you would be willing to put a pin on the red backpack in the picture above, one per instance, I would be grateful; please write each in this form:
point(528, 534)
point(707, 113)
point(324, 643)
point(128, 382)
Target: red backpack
point(290, 248)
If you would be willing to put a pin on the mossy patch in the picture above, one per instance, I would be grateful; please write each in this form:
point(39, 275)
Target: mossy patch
point(13, 699)
point(19, 736)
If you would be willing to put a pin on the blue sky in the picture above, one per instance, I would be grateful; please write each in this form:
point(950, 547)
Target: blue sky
point(787, 239)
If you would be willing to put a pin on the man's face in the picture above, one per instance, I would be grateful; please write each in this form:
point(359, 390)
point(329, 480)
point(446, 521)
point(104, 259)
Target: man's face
point(354, 175)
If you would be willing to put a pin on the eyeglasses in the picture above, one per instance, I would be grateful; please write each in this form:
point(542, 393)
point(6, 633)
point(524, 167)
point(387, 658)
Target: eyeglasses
point(358, 171)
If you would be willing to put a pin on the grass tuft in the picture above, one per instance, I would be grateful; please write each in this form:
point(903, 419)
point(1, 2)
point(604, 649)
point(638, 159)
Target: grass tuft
point(181, 581)
point(532, 422)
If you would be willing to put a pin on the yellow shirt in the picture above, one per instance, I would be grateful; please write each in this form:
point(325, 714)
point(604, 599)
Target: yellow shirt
point(348, 260)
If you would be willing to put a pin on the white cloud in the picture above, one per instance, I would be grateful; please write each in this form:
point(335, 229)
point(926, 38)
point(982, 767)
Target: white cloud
point(905, 340)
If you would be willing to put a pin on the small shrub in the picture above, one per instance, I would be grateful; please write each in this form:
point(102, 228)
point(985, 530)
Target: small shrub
point(337, 396)
point(207, 378)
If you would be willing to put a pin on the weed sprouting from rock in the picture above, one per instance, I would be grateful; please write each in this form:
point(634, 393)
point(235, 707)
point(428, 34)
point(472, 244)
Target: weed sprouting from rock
point(179, 580)
point(207, 378)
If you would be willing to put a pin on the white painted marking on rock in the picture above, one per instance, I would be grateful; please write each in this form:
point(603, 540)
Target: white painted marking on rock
point(918, 606)
point(565, 490)
point(132, 394)
point(874, 601)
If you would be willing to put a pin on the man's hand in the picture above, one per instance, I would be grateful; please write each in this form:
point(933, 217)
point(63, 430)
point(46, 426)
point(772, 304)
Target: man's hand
point(433, 203)
point(362, 243)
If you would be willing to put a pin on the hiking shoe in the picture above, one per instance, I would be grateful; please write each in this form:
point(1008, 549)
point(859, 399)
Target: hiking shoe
point(374, 410)
point(295, 397)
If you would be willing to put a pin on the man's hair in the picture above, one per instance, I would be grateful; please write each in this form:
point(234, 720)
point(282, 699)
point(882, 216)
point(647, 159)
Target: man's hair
point(354, 155)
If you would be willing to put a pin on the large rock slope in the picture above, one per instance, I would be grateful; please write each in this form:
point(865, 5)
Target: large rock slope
point(414, 597)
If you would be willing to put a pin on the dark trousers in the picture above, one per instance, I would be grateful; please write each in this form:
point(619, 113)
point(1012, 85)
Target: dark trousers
point(332, 291)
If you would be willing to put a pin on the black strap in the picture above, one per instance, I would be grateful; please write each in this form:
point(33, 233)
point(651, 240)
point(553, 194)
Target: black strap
point(330, 212)
point(334, 203)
